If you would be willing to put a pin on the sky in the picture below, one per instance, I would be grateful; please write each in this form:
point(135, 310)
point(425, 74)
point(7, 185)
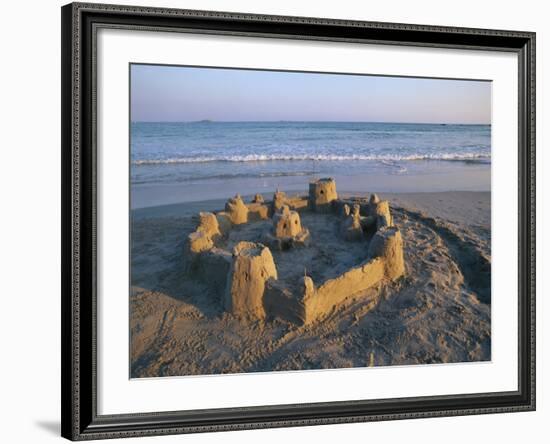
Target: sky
point(183, 94)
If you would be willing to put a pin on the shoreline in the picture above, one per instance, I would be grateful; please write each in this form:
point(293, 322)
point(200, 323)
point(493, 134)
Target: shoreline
point(433, 176)
point(464, 207)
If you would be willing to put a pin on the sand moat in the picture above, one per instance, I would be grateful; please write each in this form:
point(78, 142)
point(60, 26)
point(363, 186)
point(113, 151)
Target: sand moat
point(436, 310)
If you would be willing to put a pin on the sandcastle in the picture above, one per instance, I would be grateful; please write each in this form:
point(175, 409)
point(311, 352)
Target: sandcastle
point(245, 278)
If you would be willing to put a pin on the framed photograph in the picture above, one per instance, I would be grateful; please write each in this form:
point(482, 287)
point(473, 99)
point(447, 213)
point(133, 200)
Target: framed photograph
point(280, 221)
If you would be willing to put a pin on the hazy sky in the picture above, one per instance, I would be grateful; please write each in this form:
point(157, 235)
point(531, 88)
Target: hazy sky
point(168, 93)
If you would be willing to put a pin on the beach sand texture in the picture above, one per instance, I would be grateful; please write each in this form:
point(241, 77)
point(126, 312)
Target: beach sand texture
point(438, 313)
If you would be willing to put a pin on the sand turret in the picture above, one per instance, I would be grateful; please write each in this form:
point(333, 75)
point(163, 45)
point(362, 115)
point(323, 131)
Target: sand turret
point(286, 223)
point(321, 194)
point(383, 215)
point(279, 199)
point(258, 198)
point(208, 223)
point(379, 212)
point(202, 239)
point(287, 230)
point(351, 227)
point(237, 210)
point(198, 242)
point(251, 267)
point(208, 230)
point(388, 244)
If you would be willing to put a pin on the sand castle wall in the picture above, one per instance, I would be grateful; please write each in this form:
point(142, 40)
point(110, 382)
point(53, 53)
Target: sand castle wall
point(211, 268)
point(280, 301)
point(224, 222)
point(297, 203)
point(334, 291)
point(280, 199)
point(315, 303)
point(257, 211)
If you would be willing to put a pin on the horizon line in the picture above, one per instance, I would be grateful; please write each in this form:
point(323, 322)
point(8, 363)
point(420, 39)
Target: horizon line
point(304, 121)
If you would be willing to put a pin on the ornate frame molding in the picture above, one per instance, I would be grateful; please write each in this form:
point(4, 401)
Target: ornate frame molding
point(79, 396)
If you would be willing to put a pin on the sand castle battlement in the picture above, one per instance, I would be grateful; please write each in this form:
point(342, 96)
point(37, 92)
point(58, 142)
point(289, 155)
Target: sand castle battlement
point(245, 277)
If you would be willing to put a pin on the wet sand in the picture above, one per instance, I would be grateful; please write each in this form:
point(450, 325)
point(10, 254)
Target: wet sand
point(420, 177)
point(438, 313)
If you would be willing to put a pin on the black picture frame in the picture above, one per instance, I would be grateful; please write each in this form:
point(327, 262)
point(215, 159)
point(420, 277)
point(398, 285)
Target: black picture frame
point(79, 386)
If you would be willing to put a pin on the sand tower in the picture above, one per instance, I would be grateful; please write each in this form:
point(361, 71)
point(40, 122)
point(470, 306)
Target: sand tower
point(287, 231)
point(258, 198)
point(321, 194)
point(208, 230)
point(279, 199)
point(251, 267)
point(286, 223)
point(388, 244)
point(380, 211)
point(351, 227)
point(202, 240)
point(237, 210)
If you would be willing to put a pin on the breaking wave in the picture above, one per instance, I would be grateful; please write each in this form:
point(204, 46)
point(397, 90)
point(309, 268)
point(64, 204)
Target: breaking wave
point(469, 157)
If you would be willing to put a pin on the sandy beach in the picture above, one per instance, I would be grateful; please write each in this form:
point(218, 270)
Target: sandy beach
point(438, 313)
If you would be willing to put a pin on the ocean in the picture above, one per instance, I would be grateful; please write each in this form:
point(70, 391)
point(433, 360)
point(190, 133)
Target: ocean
point(190, 161)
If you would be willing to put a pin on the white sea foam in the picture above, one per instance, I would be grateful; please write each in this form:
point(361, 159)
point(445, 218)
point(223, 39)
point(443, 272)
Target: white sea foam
point(387, 159)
